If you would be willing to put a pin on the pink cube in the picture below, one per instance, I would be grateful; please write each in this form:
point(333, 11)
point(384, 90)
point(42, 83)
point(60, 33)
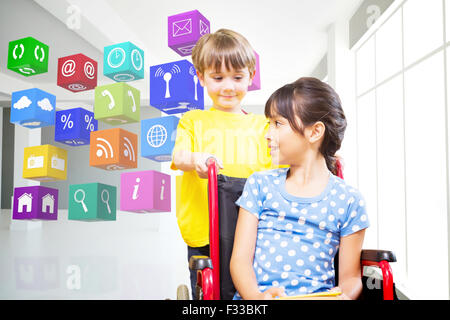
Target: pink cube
point(145, 191)
point(256, 83)
point(184, 29)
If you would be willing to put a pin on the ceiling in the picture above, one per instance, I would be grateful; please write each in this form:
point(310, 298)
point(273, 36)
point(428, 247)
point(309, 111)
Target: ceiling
point(290, 36)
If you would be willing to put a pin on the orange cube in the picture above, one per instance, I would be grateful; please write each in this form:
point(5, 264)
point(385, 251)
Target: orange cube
point(113, 149)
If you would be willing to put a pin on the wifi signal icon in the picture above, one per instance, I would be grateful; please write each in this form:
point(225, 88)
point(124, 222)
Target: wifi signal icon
point(167, 76)
point(129, 150)
point(102, 151)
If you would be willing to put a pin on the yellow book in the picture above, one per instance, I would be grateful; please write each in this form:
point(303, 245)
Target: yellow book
point(314, 296)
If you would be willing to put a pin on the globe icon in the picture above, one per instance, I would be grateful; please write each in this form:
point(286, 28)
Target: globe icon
point(156, 136)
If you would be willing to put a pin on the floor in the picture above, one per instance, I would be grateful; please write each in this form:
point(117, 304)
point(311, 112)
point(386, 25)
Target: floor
point(139, 256)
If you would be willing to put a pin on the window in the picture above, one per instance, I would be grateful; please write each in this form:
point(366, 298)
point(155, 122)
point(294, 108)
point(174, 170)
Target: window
point(403, 142)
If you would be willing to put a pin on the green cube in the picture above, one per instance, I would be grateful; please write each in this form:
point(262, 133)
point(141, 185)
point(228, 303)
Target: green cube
point(117, 104)
point(92, 202)
point(28, 56)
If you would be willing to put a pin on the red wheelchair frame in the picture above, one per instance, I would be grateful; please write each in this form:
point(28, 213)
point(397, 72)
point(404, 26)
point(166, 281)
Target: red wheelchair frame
point(208, 271)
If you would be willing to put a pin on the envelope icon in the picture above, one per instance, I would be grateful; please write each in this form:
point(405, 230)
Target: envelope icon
point(182, 27)
point(204, 28)
point(187, 49)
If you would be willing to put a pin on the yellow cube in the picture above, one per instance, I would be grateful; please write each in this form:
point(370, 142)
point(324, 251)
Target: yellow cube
point(45, 163)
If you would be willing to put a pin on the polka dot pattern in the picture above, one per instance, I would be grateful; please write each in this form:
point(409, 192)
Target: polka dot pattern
point(297, 237)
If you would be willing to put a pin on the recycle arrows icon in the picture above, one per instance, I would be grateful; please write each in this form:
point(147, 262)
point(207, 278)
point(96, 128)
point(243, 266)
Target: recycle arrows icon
point(42, 53)
point(27, 70)
point(22, 50)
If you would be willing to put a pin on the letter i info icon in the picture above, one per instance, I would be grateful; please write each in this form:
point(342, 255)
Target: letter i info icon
point(145, 191)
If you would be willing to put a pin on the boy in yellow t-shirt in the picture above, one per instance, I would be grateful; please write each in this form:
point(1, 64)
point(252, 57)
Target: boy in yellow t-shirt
point(225, 65)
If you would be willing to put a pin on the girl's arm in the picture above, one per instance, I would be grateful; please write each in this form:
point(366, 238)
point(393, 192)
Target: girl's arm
point(241, 265)
point(350, 265)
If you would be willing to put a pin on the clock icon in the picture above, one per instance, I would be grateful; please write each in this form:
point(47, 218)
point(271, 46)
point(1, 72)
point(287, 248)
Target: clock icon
point(116, 57)
point(136, 59)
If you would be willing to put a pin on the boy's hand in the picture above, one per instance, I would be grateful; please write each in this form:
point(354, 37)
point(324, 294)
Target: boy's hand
point(201, 165)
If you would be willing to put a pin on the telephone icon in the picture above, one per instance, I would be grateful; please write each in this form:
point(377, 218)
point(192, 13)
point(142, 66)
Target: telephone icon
point(112, 103)
point(133, 107)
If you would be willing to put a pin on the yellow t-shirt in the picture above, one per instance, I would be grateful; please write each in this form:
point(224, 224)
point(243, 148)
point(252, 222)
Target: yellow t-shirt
point(237, 140)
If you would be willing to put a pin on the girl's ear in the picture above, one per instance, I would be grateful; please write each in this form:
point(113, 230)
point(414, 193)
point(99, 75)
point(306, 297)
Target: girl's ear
point(316, 132)
point(201, 78)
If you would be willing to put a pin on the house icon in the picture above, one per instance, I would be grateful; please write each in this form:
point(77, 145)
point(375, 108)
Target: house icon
point(48, 203)
point(25, 200)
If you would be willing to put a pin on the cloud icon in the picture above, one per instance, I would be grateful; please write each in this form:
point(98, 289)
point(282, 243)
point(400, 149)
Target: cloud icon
point(45, 105)
point(23, 102)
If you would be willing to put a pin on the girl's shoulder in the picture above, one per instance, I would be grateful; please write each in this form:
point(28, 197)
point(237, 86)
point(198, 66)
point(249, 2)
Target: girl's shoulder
point(270, 174)
point(342, 187)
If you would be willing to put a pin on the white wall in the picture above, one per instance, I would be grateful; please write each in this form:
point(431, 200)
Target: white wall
point(403, 141)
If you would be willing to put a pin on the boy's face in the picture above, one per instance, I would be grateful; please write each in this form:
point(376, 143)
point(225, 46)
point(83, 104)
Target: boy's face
point(226, 88)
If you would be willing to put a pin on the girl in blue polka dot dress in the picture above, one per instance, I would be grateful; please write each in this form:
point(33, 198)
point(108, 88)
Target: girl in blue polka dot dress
point(293, 220)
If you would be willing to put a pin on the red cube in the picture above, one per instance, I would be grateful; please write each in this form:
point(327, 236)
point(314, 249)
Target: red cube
point(77, 73)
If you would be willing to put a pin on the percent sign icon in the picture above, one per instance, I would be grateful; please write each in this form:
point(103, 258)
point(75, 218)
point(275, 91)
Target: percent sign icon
point(90, 126)
point(67, 122)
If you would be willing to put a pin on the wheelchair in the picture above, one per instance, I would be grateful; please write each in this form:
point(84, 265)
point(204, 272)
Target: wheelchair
point(223, 192)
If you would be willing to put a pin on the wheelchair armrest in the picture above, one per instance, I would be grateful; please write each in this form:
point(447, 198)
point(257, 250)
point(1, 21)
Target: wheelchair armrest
point(199, 263)
point(378, 255)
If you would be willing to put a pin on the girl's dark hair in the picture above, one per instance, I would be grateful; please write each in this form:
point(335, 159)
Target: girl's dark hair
point(311, 100)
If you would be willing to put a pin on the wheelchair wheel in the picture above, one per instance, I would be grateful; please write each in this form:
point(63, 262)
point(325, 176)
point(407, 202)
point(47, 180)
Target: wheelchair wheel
point(182, 292)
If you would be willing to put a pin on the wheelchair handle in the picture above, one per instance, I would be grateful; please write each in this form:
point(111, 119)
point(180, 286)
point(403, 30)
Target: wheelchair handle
point(213, 204)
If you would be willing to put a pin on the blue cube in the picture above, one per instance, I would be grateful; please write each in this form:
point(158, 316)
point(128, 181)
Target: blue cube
point(74, 126)
point(33, 108)
point(158, 138)
point(175, 87)
point(123, 62)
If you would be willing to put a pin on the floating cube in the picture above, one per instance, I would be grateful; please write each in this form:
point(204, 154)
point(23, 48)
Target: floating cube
point(117, 104)
point(256, 83)
point(145, 191)
point(158, 138)
point(175, 88)
point(28, 56)
point(45, 163)
point(36, 202)
point(123, 62)
point(74, 126)
point(33, 108)
point(92, 202)
point(77, 73)
point(185, 29)
point(113, 149)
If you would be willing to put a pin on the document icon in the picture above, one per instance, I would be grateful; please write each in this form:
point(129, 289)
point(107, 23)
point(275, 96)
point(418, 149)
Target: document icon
point(182, 27)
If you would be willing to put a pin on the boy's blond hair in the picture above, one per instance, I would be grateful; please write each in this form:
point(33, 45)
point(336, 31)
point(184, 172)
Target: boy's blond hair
point(223, 46)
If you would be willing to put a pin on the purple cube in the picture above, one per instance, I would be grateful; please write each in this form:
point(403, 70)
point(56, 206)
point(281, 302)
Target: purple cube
point(256, 83)
point(36, 202)
point(185, 29)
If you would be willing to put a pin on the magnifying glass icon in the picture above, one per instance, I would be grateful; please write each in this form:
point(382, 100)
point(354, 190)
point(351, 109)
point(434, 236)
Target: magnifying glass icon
point(80, 200)
point(106, 199)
